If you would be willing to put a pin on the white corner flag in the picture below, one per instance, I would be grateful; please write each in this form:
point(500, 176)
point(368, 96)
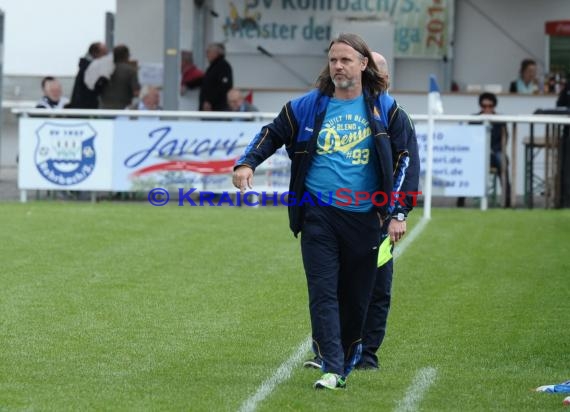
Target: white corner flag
point(434, 97)
point(435, 107)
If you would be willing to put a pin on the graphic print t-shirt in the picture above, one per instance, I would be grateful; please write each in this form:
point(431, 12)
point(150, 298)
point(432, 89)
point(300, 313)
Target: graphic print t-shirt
point(343, 163)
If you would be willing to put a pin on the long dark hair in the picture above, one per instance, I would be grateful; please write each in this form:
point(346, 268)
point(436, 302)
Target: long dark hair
point(372, 82)
point(524, 64)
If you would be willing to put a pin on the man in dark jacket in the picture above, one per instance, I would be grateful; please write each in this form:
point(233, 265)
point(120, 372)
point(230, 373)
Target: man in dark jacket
point(123, 86)
point(342, 156)
point(406, 179)
point(82, 97)
point(217, 80)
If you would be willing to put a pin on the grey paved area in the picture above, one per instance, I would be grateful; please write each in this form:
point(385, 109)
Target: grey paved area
point(9, 191)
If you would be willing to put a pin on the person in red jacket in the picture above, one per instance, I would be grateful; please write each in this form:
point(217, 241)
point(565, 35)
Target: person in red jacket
point(191, 75)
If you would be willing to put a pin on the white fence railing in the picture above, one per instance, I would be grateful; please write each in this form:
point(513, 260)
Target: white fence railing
point(550, 143)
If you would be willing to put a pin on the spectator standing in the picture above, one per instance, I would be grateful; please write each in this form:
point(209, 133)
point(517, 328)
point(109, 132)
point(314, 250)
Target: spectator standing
point(217, 81)
point(82, 97)
point(123, 84)
point(52, 94)
point(527, 82)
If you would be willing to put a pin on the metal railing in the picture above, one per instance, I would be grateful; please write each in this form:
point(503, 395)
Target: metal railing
point(553, 160)
point(553, 167)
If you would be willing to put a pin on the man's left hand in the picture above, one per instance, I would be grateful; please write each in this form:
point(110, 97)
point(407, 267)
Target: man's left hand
point(396, 230)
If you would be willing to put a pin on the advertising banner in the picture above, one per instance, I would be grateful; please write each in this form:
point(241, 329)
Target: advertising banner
point(65, 154)
point(139, 155)
point(179, 154)
point(422, 28)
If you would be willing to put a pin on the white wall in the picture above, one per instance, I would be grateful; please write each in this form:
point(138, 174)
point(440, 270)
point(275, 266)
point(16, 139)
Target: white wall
point(140, 25)
point(482, 53)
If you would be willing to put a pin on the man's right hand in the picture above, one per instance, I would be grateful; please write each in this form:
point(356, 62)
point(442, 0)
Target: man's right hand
point(243, 178)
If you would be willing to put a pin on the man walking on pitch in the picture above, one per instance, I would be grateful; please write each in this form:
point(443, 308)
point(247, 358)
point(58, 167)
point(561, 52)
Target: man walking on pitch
point(401, 130)
point(335, 139)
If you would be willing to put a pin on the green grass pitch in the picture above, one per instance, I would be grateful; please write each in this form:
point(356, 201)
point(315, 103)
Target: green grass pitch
point(129, 307)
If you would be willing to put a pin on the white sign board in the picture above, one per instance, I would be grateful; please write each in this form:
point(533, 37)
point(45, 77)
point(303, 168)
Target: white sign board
point(65, 154)
point(151, 74)
point(460, 159)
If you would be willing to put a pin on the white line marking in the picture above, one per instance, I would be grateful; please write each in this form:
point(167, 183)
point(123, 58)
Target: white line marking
point(416, 391)
point(282, 374)
point(284, 371)
point(426, 376)
point(402, 245)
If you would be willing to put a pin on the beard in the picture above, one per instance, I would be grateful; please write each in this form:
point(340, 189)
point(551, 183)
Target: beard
point(343, 83)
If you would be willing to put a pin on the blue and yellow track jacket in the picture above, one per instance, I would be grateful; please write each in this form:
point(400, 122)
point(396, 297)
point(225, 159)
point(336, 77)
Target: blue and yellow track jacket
point(297, 127)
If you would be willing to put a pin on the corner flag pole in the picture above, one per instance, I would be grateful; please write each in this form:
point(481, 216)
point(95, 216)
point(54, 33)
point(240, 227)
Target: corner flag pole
point(429, 167)
point(432, 108)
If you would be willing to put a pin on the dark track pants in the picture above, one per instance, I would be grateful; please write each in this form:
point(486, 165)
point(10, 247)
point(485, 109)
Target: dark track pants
point(377, 316)
point(340, 251)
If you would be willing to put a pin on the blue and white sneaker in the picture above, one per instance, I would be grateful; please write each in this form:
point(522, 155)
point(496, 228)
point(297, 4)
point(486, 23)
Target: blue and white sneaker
point(330, 381)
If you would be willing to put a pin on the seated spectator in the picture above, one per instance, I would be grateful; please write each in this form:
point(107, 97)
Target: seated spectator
point(527, 82)
point(123, 85)
point(564, 97)
point(564, 101)
point(82, 97)
point(150, 99)
point(52, 98)
point(488, 103)
point(237, 102)
point(191, 74)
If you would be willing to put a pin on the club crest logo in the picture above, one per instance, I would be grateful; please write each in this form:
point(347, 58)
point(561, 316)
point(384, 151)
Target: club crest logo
point(65, 153)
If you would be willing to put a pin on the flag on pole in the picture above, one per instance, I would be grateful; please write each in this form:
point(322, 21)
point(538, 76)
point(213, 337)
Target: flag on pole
point(434, 96)
point(249, 97)
point(435, 107)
